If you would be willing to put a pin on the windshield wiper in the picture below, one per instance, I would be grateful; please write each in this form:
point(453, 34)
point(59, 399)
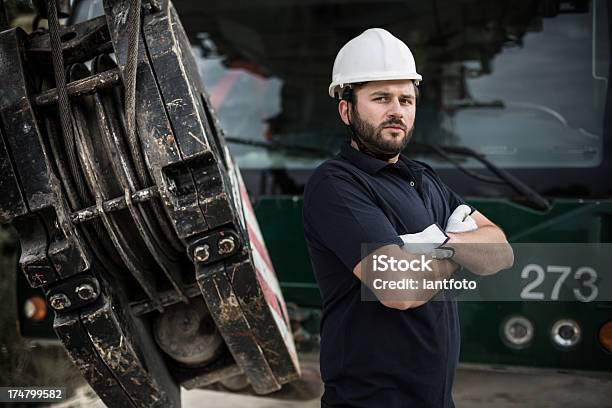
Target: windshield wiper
point(501, 176)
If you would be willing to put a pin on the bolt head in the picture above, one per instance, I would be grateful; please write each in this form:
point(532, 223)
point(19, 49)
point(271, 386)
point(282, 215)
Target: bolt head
point(201, 253)
point(59, 301)
point(226, 245)
point(86, 291)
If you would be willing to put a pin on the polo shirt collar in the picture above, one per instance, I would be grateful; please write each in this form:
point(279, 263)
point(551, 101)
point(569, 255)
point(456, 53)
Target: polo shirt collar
point(371, 164)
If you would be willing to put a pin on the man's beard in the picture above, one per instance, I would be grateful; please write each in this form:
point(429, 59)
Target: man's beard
point(373, 139)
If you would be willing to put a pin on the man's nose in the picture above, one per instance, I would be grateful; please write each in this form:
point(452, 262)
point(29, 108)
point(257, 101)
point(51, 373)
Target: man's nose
point(395, 110)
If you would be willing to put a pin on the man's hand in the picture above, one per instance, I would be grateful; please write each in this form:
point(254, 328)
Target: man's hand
point(425, 241)
point(461, 221)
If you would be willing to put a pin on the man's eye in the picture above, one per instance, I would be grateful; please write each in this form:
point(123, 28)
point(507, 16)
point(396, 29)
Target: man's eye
point(406, 101)
point(381, 99)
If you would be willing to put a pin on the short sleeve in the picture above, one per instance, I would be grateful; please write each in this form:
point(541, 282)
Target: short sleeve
point(454, 200)
point(342, 217)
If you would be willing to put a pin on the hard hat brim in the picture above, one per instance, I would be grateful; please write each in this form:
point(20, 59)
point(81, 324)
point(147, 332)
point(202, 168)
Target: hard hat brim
point(370, 78)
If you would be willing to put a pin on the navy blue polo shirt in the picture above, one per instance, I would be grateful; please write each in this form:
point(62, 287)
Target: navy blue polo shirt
point(373, 355)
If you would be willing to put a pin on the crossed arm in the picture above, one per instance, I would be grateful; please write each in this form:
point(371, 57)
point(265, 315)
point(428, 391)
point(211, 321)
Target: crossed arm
point(484, 251)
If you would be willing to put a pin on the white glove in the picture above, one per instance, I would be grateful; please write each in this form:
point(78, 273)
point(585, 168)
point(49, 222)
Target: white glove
point(460, 220)
point(425, 241)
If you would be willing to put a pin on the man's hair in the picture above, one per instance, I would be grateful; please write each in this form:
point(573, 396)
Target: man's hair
point(349, 93)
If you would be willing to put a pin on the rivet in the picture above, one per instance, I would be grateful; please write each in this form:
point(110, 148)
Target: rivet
point(226, 245)
point(201, 253)
point(59, 301)
point(86, 291)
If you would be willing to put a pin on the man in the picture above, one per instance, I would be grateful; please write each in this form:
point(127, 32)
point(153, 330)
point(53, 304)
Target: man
point(395, 352)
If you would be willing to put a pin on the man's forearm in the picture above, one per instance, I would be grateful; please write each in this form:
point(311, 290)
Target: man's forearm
point(442, 270)
point(484, 251)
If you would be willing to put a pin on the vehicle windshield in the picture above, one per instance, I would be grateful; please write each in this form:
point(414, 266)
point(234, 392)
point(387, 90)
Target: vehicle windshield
point(528, 93)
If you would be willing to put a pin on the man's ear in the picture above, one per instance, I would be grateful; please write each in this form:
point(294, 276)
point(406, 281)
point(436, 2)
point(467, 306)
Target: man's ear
point(343, 111)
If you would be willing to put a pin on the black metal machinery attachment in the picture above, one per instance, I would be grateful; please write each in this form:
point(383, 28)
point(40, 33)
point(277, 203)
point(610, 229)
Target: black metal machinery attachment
point(144, 242)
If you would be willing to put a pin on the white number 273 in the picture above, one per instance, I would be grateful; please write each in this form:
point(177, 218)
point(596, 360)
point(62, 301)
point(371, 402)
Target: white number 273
point(586, 293)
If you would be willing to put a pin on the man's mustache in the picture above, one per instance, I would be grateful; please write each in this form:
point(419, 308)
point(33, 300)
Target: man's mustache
point(394, 122)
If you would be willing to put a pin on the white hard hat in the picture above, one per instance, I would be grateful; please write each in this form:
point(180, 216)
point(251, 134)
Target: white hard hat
point(374, 55)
